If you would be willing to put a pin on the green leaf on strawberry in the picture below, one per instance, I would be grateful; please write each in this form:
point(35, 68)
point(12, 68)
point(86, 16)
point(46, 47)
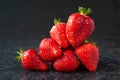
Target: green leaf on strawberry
point(84, 11)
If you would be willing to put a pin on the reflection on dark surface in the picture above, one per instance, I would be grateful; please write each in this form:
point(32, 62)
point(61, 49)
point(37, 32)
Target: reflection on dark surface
point(37, 76)
point(90, 76)
point(57, 76)
point(25, 23)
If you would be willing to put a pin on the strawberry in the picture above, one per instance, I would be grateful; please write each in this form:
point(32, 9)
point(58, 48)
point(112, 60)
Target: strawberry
point(67, 62)
point(58, 33)
point(89, 55)
point(31, 60)
point(79, 27)
point(49, 49)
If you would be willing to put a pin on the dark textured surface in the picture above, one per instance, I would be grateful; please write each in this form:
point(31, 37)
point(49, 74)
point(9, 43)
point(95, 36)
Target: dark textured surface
point(25, 23)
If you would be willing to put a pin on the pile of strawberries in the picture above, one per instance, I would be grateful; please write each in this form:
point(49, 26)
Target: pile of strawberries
point(67, 48)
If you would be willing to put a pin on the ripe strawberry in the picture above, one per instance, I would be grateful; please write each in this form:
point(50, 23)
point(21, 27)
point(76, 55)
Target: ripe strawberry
point(89, 55)
point(67, 62)
point(31, 60)
point(79, 27)
point(58, 33)
point(49, 49)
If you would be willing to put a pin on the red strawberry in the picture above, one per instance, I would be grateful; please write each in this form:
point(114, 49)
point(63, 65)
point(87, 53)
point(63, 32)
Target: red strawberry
point(67, 62)
point(49, 49)
point(58, 33)
point(79, 27)
point(89, 55)
point(31, 60)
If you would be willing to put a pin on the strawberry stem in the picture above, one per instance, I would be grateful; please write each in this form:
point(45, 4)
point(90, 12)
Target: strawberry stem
point(18, 58)
point(56, 21)
point(89, 41)
point(84, 11)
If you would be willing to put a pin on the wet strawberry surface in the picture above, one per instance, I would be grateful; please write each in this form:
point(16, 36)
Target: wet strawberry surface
point(24, 24)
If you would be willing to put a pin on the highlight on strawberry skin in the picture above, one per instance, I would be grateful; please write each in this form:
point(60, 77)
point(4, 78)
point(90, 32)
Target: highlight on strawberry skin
point(31, 60)
point(66, 48)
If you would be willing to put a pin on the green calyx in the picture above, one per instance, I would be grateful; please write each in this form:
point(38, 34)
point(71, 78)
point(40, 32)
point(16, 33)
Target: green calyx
point(89, 41)
point(56, 21)
point(18, 58)
point(84, 11)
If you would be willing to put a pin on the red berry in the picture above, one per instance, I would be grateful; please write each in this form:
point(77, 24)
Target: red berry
point(67, 62)
point(49, 49)
point(58, 33)
point(89, 55)
point(79, 27)
point(31, 60)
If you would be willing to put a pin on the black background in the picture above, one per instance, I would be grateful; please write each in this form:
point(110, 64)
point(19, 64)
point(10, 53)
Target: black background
point(24, 23)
